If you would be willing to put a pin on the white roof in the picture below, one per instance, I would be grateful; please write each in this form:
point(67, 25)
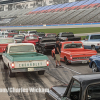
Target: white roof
point(16, 44)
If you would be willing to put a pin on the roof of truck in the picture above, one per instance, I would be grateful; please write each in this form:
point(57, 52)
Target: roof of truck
point(88, 77)
point(16, 44)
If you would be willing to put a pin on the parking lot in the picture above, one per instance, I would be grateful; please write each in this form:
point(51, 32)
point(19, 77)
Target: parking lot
point(54, 76)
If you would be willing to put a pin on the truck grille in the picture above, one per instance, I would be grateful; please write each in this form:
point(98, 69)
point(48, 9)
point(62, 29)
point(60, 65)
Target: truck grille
point(80, 58)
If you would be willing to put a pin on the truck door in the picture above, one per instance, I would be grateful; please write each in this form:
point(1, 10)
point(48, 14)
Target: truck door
point(85, 43)
point(74, 91)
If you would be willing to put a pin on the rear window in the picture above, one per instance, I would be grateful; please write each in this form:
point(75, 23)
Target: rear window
point(74, 45)
point(3, 41)
point(21, 48)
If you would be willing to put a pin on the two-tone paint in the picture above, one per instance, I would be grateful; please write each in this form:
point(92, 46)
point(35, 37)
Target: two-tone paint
point(74, 55)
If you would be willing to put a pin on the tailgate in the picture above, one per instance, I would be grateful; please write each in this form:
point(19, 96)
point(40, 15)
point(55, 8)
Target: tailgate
point(29, 64)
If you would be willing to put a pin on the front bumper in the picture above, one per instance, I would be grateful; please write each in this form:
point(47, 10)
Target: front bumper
point(14, 70)
point(78, 61)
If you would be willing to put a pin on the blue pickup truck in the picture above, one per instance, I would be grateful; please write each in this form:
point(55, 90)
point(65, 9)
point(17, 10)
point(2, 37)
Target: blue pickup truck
point(92, 42)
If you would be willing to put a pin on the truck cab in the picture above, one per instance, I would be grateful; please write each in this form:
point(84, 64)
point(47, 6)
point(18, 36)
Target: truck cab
point(81, 87)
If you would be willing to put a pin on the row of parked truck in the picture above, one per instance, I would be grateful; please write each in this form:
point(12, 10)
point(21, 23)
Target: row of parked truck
point(22, 57)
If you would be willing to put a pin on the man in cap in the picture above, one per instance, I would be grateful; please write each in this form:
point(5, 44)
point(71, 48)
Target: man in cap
point(57, 53)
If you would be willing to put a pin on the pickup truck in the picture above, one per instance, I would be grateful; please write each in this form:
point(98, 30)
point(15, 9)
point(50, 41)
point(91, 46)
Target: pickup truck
point(92, 42)
point(4, 42)
point(31, 39)
point(46, 44)
point(67, 36)
point(74, 52)
point(80, 87)
point(12, 34)
point(22, 57)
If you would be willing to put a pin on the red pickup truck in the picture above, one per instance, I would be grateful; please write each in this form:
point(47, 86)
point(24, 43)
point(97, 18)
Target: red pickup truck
point(74, 52)
point(4, 42)
point(31, 39)
point(12, 34)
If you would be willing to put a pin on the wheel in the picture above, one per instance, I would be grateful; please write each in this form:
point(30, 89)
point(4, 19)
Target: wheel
point(66, 61)
point(93, 47)
point(41, 72)
point(5, 67)
point(94, 68)
point(11, 74)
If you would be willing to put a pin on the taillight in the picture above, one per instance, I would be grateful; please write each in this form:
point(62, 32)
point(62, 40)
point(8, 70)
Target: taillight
point(98, 44)
point(47, 63)
point(12, 65)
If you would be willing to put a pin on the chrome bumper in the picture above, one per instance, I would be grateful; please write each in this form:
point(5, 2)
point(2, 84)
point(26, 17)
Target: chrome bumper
point(78, 61)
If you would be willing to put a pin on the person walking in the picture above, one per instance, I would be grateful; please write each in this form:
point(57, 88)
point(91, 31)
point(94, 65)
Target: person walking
point(57, 53)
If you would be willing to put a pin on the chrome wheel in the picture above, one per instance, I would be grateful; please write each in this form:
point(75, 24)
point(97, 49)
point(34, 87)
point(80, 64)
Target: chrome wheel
point(94, 68)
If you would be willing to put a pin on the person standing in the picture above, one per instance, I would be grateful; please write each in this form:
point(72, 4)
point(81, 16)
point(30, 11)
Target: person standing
point(57, 53)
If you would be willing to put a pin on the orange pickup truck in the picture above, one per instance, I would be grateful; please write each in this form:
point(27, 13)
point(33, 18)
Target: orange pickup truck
point(74, 52)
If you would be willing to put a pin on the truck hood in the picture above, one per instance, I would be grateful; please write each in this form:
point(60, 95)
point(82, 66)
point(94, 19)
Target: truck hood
point(49, 43)
point(59, 90)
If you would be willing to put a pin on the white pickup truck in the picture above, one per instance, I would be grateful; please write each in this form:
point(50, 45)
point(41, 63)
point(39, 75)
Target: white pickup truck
point(22, 57)
point(92, 42)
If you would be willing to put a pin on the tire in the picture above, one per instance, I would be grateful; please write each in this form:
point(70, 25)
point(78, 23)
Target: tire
point(11, 74)
point(66, 61)
point(94, 68)
point(41, 72)
point(93, 47)
point(5, 67)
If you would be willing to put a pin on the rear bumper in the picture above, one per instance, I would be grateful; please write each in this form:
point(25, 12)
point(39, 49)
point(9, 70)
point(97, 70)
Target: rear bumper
point(78, 61)
point(14, 70)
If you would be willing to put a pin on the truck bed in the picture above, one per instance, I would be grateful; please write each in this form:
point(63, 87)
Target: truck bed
point(26, 56)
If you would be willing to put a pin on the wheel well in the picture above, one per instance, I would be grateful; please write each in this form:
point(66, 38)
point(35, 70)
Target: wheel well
point(64, 58)
point(92, 45)
point(92, 63)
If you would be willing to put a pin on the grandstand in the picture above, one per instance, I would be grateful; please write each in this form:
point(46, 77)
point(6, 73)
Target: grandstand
point(70, 12)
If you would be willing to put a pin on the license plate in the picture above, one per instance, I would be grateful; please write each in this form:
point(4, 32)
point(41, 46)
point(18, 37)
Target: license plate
point(30, 69)
point(84, 61)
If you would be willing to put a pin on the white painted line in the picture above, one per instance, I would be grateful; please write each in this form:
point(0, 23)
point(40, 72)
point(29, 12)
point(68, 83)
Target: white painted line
point(71, 70)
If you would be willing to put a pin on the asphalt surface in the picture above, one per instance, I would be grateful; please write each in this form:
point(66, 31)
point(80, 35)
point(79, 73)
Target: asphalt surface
point(54, 76)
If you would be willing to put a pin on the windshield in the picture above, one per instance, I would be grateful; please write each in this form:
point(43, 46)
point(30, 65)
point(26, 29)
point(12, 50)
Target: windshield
point(51, 35)
point(3, 41)
point(95, 37)
point(40, 34)
point(31, 37)
point(74, 45)
point(12, 34)
point(21, 48)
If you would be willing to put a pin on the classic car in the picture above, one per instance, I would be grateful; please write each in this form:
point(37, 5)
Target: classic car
point(22, 57)
point(94, 63)
point(92, 42)
point(46, 44)
point(12, 34)
point(19, 38)
point(40, 34)
point(22, 32)
point(74, 52)
point(4, 42)
point(67, 36)
point(31, 39)
point(50, 34)
point(80, 87)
